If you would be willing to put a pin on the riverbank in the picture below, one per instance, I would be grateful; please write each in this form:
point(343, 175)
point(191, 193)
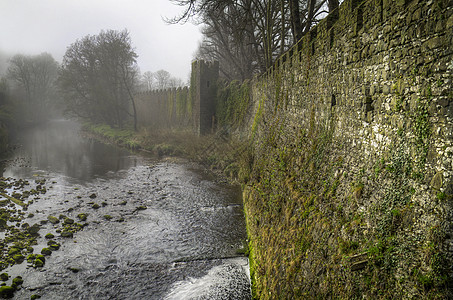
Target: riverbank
point(224, 156)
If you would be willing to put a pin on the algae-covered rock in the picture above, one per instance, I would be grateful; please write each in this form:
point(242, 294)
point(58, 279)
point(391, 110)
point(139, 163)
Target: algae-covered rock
point(18, 281)
point(53, 220)
point(108, 217)
point(7, 292)
point(95, 206)
point(141, 207)
point(92, 196)
point(38, 263)
point(54, 246)
point(49, 236)
point(41, 257)
point(18, 258)
point(34, 297)
point(13, 251)
point(66, 234)
point(31, 258)
point(82, 217)
point(68, 221)
point(4, 276)
point(46, 251)
point(34, 229)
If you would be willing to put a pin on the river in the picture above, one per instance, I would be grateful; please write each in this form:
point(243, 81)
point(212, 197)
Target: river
point(155, 229)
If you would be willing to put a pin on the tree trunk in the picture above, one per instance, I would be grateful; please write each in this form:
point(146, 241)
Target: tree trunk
point(296, 25)
point(311, 11)
point(332, 4)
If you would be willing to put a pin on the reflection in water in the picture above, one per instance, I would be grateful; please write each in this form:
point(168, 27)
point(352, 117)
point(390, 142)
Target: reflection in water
point(172, 232)
point(58, 147)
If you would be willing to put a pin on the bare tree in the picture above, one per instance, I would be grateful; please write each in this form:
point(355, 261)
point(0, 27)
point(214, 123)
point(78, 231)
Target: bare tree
point(35, 77)
point(176, 82)
point(98, 77)
point(148, 80)
point(162, 79)
point(236, 50)
point(248, 35)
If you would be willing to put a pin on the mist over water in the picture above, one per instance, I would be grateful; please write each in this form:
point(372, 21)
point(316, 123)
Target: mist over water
point(182, 246)
point(57, 146)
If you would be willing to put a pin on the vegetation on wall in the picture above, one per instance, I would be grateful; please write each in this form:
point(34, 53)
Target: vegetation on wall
point(233, 101)
point(183, 107)
point(317, 225)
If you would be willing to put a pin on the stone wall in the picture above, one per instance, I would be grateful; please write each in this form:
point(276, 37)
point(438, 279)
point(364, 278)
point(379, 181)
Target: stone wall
point(170, 108)
point(203, 90)
point(183, 108)
point(351, 185)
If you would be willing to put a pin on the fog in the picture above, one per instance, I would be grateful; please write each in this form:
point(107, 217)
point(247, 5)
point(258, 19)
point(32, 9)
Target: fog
point(31, 27)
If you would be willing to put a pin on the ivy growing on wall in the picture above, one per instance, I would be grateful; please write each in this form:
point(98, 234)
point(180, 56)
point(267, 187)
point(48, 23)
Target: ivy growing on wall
point(233, 101)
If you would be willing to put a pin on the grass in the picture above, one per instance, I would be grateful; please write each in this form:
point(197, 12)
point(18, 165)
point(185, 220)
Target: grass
point(226, 157)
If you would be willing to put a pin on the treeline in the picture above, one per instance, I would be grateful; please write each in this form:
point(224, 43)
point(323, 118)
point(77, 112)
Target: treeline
point(247, 36)
point(96, 81)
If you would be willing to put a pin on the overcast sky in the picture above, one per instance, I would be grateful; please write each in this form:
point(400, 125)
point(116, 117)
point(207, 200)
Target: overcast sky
point(36, 26)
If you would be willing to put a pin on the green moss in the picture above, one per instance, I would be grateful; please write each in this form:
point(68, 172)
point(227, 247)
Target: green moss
point(18, 258)
point(82, 216)
point(53, 220)
point(31, 258)
point(17, 281)
point(7, 292)
point(46, 251)
point(441, 196)
point(67, 233)
point(233, 101)
point(38, 263)
point(49, 236)
point(54, 246)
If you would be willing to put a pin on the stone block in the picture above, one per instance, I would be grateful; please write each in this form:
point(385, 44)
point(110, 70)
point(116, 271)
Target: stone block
point(443, 102)
point(436, 181)
point(366, 90)
point(434, 42)
point(449, 23)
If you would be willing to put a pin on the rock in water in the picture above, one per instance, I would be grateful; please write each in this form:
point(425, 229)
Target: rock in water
point(6, 292)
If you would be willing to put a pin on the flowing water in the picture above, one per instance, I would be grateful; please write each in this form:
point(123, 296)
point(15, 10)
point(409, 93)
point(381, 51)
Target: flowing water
point(163, 229)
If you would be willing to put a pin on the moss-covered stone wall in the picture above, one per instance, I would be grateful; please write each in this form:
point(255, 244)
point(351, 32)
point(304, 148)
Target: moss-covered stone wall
point(189, 107)
point(169, 108)
point(350, 191)
point(203, 91)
